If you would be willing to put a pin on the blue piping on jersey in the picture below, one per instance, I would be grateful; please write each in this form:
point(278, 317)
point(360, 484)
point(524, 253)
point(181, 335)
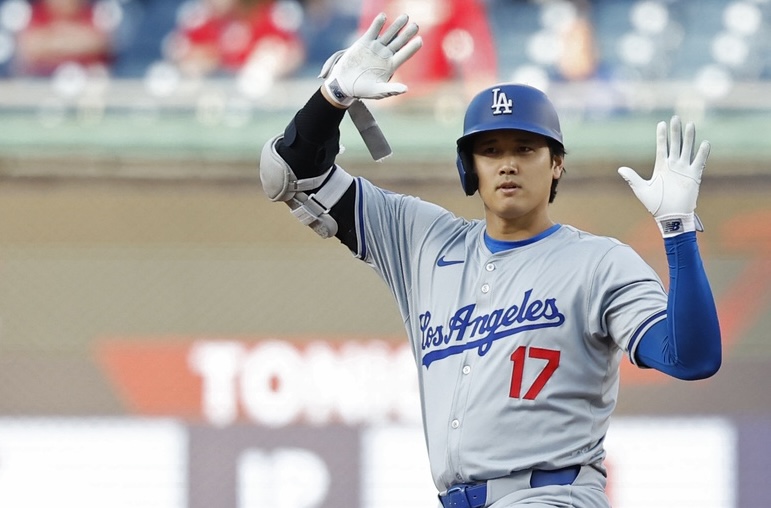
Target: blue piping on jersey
point(496, 246)
point(644, 328)
point(362, 254)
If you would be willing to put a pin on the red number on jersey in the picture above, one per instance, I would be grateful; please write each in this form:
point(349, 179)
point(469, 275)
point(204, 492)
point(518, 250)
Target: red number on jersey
point(552, 358)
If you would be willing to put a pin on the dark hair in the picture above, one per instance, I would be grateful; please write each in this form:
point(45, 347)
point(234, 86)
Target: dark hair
point(557, 150)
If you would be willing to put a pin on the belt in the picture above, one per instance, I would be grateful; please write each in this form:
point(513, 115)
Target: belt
point(474, 495)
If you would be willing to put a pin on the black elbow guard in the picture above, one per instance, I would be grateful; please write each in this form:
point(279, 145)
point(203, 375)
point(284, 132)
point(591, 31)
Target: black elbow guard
point(312, 139)
point(307, 158)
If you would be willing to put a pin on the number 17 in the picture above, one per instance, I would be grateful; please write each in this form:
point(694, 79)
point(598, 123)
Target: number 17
point(552, 358)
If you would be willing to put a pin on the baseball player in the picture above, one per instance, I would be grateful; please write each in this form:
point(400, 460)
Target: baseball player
point(517, 324)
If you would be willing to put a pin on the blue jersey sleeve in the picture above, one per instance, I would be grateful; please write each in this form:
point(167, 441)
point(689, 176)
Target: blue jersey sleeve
point(687, 344)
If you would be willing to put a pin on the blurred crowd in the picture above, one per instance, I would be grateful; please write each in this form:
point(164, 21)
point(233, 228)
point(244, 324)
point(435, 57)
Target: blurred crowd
point(262, 39)
point(473, 42)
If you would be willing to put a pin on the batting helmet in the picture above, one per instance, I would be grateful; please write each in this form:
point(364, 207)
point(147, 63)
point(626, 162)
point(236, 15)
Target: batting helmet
point(504, 106)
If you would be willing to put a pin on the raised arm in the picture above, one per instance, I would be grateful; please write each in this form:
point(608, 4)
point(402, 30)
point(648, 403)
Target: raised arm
point(298, 166)
point(687, 344)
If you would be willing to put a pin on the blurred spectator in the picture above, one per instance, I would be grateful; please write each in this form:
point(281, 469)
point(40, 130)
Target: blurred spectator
point(58, 32)
point(222, 37)
point(328, 26)
point(578, 58)
point(139, 35)
point(457, 42)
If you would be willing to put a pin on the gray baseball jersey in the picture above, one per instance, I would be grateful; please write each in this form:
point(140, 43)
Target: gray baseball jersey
point(517, 352)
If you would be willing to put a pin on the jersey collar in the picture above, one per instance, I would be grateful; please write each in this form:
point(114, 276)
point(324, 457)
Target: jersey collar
point(496, 246)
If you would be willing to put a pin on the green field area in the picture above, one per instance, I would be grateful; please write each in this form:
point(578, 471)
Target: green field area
point(124, 141)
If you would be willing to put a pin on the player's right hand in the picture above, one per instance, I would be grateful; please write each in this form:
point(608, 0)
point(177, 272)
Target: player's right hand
point(670, 195)
point(363, 71)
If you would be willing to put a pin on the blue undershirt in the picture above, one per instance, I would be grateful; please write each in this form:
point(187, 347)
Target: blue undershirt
point(685, 344)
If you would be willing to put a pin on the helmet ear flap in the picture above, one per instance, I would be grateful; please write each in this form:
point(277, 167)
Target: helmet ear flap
point(468, 177)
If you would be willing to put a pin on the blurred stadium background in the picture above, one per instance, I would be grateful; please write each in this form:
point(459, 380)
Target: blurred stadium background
point(170, 339)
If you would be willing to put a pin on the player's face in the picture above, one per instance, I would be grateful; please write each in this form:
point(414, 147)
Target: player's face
point(515, 170)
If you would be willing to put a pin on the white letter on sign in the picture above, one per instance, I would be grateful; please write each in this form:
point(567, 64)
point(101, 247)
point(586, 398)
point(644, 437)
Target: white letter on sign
point(271, 387)
point(219, 364)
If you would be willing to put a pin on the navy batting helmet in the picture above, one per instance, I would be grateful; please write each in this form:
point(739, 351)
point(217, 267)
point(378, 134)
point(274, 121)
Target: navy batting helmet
point(504, 106)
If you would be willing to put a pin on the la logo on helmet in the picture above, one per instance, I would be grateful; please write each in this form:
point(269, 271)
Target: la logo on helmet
point(501, 103)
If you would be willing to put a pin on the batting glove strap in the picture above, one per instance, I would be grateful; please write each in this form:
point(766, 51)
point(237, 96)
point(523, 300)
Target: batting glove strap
point(332, 83)
point(677, 224)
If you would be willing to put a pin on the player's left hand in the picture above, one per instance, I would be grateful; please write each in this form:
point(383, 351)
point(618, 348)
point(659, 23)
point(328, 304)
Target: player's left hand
point(363, 71)
point(670, 195)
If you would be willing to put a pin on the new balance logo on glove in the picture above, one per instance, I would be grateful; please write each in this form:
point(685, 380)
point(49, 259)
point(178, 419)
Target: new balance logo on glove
point(671, 226)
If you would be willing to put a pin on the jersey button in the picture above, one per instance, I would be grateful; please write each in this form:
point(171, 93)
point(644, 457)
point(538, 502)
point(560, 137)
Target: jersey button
point(466, 369)
point(485, 288)
point(490, 267)
point(455, 424)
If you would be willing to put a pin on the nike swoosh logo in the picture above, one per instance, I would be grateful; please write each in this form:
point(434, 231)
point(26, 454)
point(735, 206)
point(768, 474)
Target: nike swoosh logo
point(444, 262)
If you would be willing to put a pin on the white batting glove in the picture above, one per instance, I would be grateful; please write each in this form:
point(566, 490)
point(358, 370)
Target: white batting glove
point(670, 195)
point(363, 70)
